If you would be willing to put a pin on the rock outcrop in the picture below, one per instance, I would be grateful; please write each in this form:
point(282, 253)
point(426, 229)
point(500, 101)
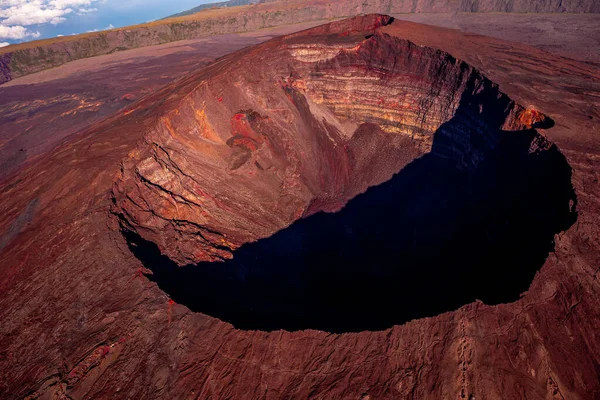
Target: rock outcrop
point(262, 137)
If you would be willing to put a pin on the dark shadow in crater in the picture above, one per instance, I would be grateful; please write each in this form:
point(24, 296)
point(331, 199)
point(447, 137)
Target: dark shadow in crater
point(432, 239)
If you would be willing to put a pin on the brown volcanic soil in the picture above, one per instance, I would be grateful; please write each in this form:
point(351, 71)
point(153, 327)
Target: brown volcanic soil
point(80, 319)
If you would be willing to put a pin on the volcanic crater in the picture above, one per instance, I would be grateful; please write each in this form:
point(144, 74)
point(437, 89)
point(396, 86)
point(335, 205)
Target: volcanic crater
point(340, 182)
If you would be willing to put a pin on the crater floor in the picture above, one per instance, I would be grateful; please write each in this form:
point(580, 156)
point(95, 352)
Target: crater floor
point(430, 240)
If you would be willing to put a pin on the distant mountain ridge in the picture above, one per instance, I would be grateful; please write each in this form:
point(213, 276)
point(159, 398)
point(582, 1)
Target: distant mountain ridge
point(416, 6)
point(230, 3)
point(530, 6)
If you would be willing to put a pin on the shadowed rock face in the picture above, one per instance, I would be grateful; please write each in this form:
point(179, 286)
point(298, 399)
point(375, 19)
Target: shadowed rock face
point(430, 240)
point(476, 202)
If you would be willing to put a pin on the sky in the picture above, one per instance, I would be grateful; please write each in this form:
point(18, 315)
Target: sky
point(25, 20)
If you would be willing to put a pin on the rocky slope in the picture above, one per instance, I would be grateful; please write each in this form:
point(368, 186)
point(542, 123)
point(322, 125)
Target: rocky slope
point(256, 140)
point(31, 57)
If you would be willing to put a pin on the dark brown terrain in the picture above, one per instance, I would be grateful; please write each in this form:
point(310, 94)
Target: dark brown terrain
point(100, 216)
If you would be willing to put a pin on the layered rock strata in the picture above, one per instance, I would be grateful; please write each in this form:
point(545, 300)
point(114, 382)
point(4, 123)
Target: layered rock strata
point(246, 147)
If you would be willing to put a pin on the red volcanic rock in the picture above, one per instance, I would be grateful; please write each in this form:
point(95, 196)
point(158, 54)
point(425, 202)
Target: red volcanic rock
point(240, 149)
point(129, 97)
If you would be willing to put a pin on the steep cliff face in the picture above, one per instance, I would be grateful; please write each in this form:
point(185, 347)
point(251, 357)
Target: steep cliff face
point(5, 73)
point(260, 138)
point(37, 56)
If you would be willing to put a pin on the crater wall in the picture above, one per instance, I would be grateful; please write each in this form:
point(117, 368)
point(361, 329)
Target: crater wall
point(280, 134)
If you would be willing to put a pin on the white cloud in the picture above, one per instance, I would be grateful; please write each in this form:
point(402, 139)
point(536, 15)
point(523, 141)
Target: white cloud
point(17, 32)
point(4, 44)
point(32, 14)
point(62, 4)
point(83, 11)
point(15, 15)
point(109, 27)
